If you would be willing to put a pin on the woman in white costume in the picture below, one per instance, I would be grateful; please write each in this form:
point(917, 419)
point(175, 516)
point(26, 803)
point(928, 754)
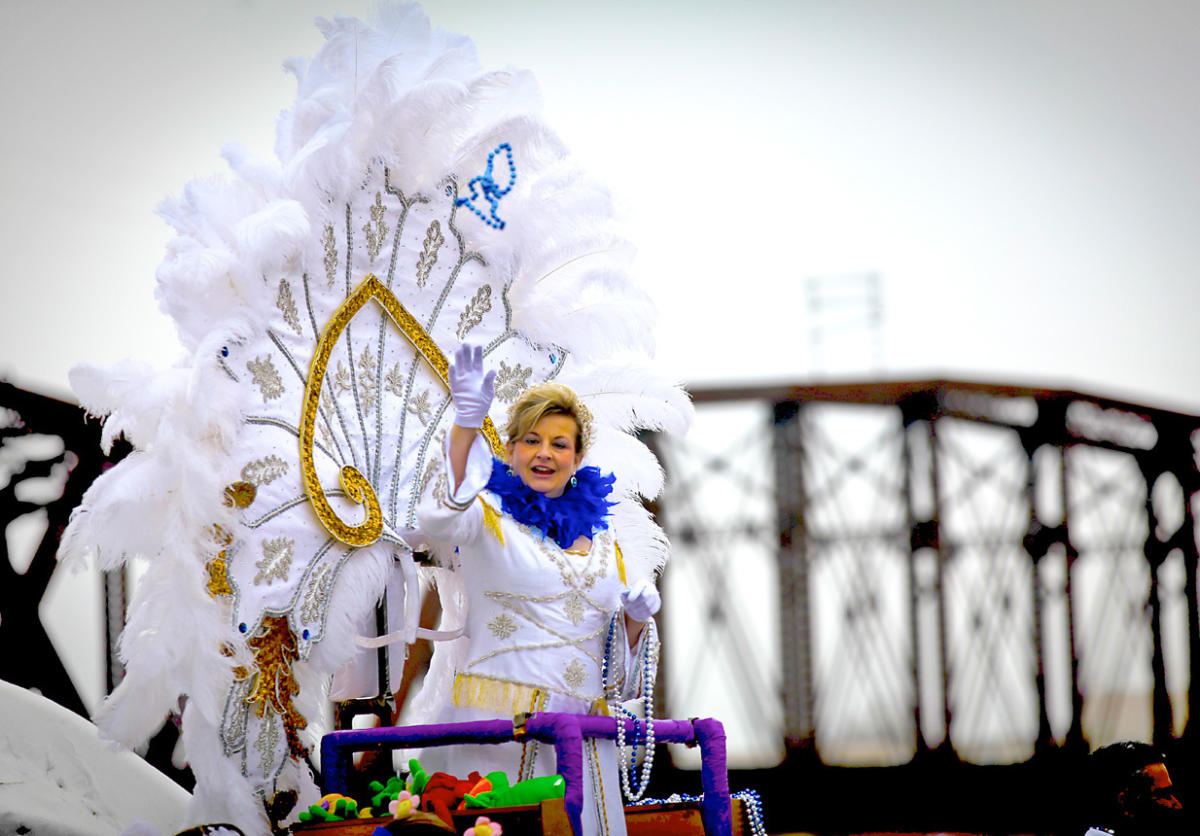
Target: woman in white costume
point(551, 623)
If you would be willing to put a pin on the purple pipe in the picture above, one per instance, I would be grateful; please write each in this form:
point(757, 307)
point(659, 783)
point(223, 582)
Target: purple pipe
point(566, 732)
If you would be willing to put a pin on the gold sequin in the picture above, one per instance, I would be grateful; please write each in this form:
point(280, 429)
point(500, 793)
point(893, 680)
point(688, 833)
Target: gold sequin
point(218, 577)
point(273, 686)
point(240, 494)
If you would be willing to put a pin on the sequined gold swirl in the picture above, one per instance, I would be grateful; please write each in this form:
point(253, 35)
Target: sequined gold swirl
point(356, 486)
point(273, 684)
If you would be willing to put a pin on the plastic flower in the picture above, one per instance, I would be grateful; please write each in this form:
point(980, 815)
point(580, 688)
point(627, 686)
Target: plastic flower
point(404, 805)
point(484, 827)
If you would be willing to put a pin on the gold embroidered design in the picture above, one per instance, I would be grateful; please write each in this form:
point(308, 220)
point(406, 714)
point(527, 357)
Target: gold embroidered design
point(240, 494)
point(331, 257)
point(277, 560)
point(574, 675)
point(317, 593)
point(265, 470)
point(287, 306)
point(419, 405)
point(429, 252)
point(620, 563)
point(394, 380)
point(273, 686)
point(218, 576)
point(473, 691)
point(511, 382)
point(356, 486)
point(472, 315)
point(574, 609)
point(491, 522)
point(266, 377)
point(502, 626)
point(368, 380)
point(375, 229)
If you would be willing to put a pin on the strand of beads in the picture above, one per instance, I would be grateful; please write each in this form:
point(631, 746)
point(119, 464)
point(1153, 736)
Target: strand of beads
point(634, 787)
point(751, 803)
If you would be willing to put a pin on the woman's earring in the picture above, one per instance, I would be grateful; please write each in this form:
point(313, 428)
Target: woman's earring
point(574, 481)
point(510, 473)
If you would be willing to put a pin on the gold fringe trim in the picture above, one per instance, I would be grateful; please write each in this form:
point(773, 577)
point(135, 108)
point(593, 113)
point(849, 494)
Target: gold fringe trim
point(620, 563)
point(472, 691)
point(491, 521)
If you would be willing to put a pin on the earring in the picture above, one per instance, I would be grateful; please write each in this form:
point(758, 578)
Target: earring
point(574, 481)
point(510, 473)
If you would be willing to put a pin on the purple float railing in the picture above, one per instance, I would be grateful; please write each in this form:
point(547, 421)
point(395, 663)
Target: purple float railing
point(566, 732)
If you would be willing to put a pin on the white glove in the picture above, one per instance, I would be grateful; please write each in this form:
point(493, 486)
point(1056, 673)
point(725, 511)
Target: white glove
point(471, 389)
point(641, 600)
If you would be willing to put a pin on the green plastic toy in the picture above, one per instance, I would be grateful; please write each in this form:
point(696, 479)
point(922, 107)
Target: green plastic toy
point(533, 791)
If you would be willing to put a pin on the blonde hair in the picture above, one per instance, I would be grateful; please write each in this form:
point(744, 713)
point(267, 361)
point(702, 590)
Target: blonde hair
point(543, 399)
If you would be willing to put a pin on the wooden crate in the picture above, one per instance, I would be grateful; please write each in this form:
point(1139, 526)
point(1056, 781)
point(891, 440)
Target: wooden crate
point(550, 819)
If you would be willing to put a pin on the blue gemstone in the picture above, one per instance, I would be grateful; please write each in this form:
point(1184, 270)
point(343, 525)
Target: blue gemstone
point(224, 351)
point(304, 635)
point(242, 627)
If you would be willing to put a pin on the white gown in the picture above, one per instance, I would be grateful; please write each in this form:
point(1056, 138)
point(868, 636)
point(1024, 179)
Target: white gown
point(538, 620)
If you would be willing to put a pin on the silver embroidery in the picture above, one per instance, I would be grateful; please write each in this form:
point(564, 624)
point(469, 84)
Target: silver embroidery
point(329, 242)
point(266, 377)
point(287, 306)
point(419, 406)
point(316, 594)
point(368, 380)
point(574, 609)
point(375, 229)
point(480, 304)
point(277, 560)
point(266, 743)
point(429, 252)
point(394, 380)
point(341, 379)
point(502, 626)
point(511, 382)
point(265, 470)
point(575, 675)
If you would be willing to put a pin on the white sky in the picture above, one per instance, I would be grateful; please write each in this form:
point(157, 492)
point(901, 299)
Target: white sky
point(1022, 175)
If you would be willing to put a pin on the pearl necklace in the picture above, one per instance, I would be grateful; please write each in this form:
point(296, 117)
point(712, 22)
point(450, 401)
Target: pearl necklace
point(627, 755)
point(751, 803)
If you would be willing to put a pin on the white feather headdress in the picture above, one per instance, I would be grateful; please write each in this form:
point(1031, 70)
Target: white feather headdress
point(400, 160)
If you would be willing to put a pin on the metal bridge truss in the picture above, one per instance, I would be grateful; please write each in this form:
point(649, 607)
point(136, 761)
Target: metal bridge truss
point(875, 573)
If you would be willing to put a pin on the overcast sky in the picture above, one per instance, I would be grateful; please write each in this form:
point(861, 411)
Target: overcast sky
point(1022, 176)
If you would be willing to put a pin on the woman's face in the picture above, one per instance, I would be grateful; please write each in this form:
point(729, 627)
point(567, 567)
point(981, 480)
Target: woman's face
point(545, 457)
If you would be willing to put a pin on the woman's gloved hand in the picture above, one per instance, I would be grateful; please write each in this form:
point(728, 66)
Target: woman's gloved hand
point(641, 600)
point(470, 387)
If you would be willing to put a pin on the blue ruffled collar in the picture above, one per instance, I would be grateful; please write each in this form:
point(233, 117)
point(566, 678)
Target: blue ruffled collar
point(582, 510)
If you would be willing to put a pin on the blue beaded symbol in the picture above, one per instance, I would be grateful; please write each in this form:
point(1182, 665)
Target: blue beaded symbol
point(490, 191)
